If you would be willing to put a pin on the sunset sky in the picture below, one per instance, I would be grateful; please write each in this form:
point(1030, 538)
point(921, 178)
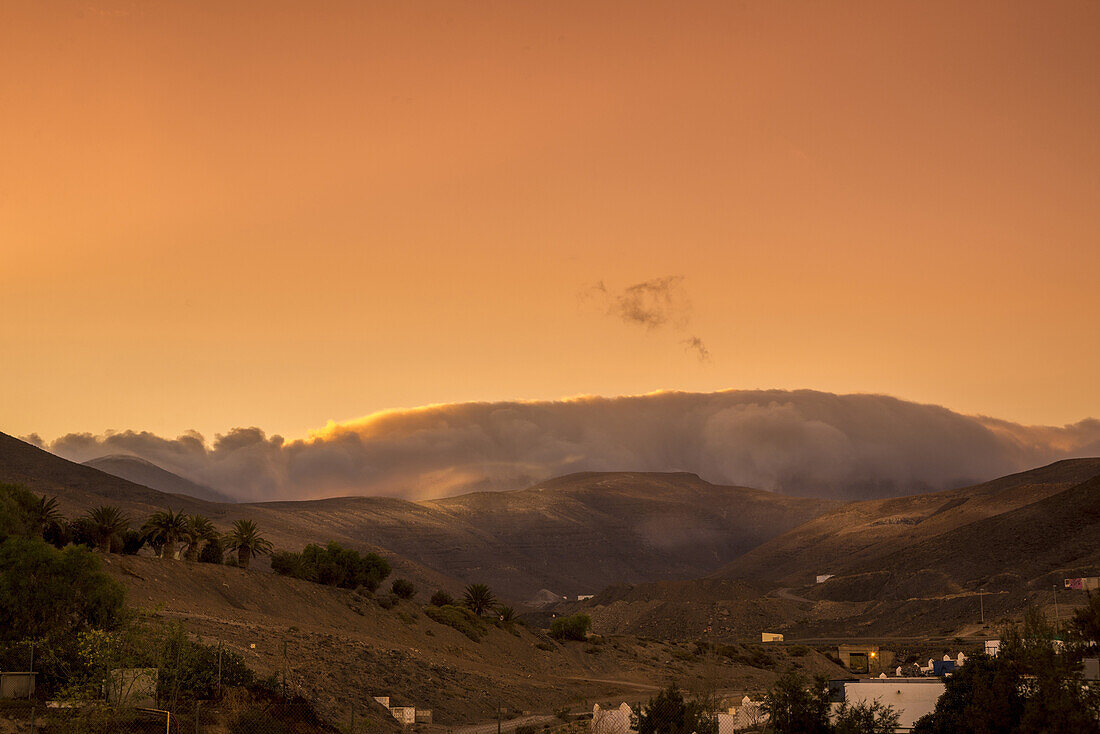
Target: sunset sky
point(219, 214)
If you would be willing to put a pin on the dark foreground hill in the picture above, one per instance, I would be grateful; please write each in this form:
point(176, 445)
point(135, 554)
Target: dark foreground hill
point(572, 535)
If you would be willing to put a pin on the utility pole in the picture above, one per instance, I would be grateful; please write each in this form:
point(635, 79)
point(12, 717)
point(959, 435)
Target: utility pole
point(981, 603)
point(1057, 616)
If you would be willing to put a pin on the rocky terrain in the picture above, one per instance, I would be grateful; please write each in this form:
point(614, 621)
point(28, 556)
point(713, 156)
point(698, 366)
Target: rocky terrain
point(340, 648)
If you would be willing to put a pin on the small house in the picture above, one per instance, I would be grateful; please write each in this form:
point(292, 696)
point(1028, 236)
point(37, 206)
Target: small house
point(865, 659)
point(771, 637)
point(406, 715)
point(17, 684)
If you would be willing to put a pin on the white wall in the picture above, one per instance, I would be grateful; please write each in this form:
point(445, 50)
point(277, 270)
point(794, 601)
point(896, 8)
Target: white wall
point(913, 697)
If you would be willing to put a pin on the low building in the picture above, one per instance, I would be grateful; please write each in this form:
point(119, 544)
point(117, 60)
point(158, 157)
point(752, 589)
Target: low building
point(771, 637)
point(992, 647)
point(1090, 583)
point(383, 700)
point(135, 687)
point(1091, 669)
point(865, 659)
point(912, 697)
point(15, 684)
point(823, 578)
point(423, 716)
point(406, 715)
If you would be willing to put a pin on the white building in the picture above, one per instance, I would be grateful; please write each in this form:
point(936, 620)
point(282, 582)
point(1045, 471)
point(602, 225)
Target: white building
point(611, 721)
point(912, 697)
point(746, 716)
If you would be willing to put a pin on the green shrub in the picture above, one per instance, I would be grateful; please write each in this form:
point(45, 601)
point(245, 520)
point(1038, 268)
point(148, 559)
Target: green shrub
point(573, 627)
point(213, 552)
point(545, 646)
point(403, 589)
point(442, 599)
point(458, 618)
point(333, 565)
point(255, 720)
point(799, 651)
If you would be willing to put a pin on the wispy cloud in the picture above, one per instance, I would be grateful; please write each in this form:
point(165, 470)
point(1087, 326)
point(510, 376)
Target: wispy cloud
point(651, 304)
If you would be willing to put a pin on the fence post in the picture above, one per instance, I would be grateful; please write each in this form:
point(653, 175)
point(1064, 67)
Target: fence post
point(34, 706)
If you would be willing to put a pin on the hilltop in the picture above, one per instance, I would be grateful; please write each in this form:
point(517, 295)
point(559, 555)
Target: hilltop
point(148, 474)
point(571, 535)
point(905, 566)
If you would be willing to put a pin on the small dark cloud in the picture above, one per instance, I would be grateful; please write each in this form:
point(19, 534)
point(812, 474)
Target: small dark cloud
point(695, 344)
point(653, 303)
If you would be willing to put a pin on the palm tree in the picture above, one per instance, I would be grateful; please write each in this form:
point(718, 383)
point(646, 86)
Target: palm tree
point(165, 529)
point(247, 541)
point(478, 599)
point(198, 531)
point(107, 523)
point(44, 515)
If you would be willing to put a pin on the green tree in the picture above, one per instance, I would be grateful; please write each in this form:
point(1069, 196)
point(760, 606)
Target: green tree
point(798, 706)
point(44, 516)
point(573, 627)
point(246, 540)
point(164, 530)
point(506, 614)
point(1085, 625)
point(865, 718)
point(669, 713)
point(108, 524)
point(46, 592)
point(1033, 685)
point(197, 531)
point(478, 599)
point(16, 510)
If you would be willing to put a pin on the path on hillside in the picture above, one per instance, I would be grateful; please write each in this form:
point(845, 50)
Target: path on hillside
point(787, 594)
point(625, 683)
point(536, 720)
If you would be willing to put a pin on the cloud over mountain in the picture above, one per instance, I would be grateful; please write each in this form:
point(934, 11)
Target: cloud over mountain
point(802, 442)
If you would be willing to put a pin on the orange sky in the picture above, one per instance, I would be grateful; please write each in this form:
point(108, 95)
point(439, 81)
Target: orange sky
point(216, 214)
